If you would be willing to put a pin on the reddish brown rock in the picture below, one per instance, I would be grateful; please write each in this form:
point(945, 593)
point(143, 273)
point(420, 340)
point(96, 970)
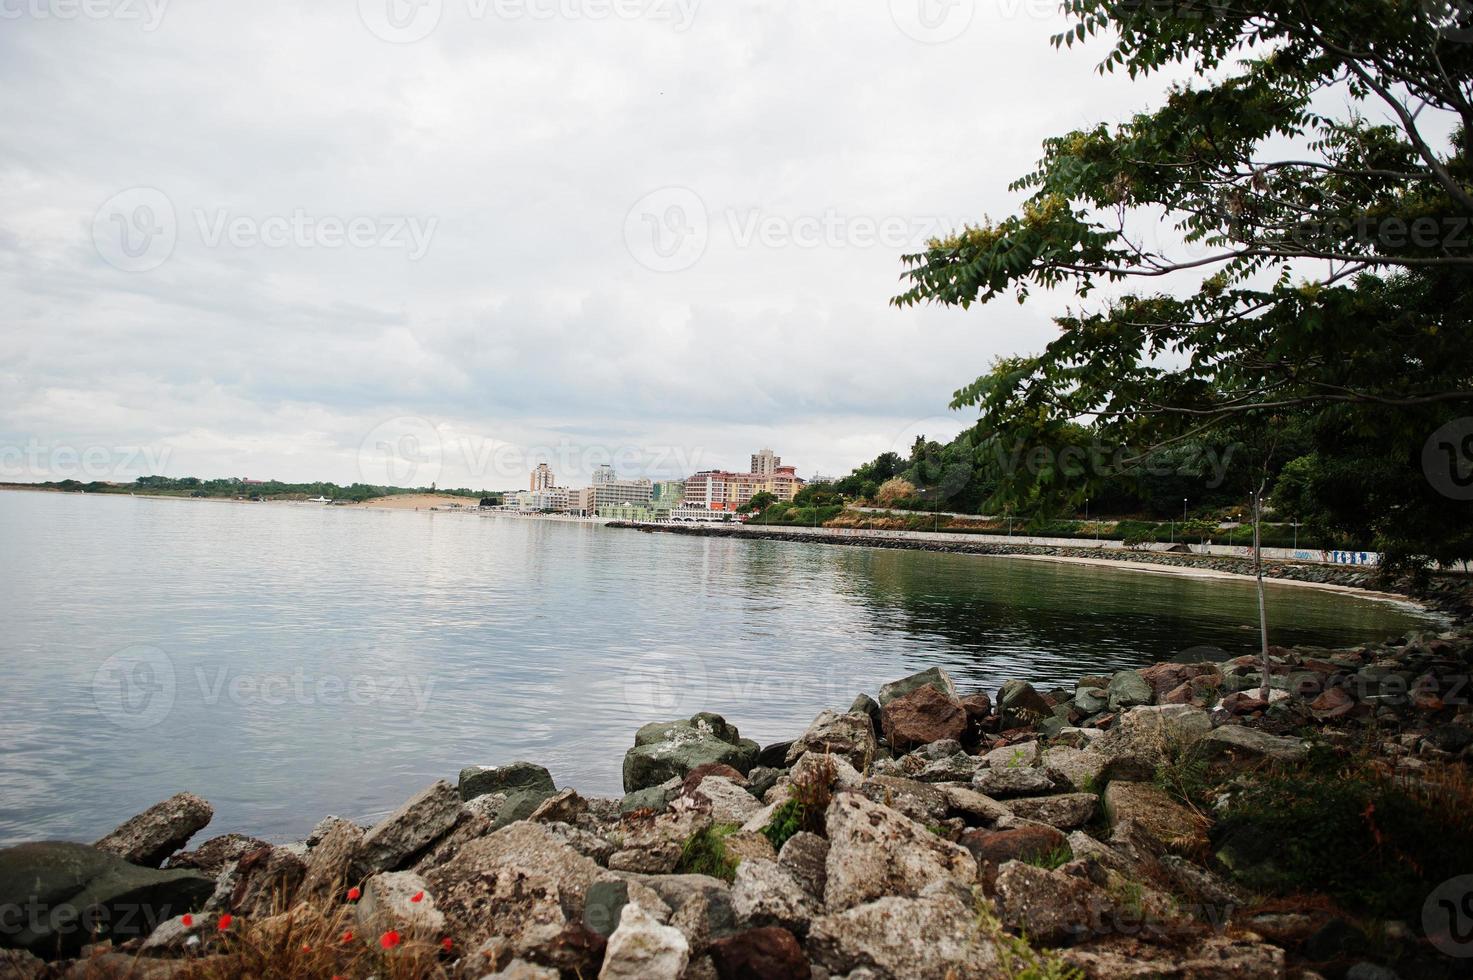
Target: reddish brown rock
point(1335, 702)
point(923, 716)
point(710, 769)
point(994, 848)
point(265, 880)
point(769, 953)
point(979, 712)
point(1243, 703)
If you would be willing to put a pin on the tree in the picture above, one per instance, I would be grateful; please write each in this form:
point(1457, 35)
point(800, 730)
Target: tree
point(1318, 182)
point(761, 500)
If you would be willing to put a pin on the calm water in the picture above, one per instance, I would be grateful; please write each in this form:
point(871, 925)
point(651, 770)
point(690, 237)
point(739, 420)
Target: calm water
point(291, 661)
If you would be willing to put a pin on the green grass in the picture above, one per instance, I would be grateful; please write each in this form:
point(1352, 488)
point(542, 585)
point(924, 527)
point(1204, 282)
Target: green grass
point(705, 853)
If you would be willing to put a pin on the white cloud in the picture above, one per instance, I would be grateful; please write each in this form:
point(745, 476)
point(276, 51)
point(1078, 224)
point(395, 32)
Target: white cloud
point(815, 128)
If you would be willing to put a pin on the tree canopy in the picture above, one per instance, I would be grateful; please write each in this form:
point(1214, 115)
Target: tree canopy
point(1316, 277)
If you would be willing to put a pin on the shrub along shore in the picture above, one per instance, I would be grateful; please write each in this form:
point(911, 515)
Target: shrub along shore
point(1162, 822)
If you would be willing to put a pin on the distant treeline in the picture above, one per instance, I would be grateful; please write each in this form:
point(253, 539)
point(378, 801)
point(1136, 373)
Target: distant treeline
point(234, 487)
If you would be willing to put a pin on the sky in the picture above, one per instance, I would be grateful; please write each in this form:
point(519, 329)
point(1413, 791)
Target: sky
point(415, 241)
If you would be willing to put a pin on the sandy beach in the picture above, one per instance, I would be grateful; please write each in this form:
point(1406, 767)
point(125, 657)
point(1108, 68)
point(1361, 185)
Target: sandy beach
point(416, 501)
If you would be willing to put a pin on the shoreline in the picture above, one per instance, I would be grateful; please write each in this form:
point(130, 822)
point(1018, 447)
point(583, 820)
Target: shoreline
point(945, 826)
point(1448, 594)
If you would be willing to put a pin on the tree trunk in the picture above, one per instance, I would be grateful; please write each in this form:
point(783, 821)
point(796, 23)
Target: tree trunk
point(1258, 572)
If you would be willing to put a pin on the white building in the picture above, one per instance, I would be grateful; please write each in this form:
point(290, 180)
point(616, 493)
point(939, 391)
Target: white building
point(765, 462)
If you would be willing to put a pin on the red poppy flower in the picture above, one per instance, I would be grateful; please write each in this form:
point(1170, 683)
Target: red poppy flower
point(348, 936)
point(417, 896)
point(353, 893)
point(188, 920)
point(447, 943)
point(224, 923)
point(389, 939)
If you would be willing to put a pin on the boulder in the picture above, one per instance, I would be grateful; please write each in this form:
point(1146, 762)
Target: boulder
point(652, 844)
point(923, 716)
point(866, 705)
point(694, 777)
point(701, 906)
point(263, 882)
point(1050, 907)
point(1174, 724)
point(656, 798)
point(875, 851)
point(849, 736)
point(1005, 783)
point(213, 855)
point(1234, 743)
point(805, 856)
point(87, 894)
point(1080, 770)
point(1335, 702)
point(330, 864)
point(1020, 706)
point(1091, 700)
point(1128, 689)
point(1152, 811)
point(401, 901)
point(972, 805)
point(522, 891)
point(1065, 811)
point(932, 937)
point(515, 777)
point(933, 677)
point(728, 802)
point(643, 949)
point(766, 894)
point(993, 848)
point(422, 820)
point(159, 831)
point(564, 807)
point(924, 803)
point(520, 805)
point(665, 750)
point(768, 953)
point(1018, 755)
point(749, 845)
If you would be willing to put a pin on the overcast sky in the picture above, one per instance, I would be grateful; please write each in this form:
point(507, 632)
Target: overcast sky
point(389, 241)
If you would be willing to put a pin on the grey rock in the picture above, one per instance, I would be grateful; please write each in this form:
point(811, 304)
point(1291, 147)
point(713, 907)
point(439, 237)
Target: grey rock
point(1128, 689)
point(401, 901)
point(1020, 706)
point(422, 820)
point(934, 676)
point(1065, 811)
point(87, 892)
point(1019, 755)
point(932, 937)
point(643, 949)
point(767, 894)
point(864, 704)
point(729, 802)
point(213, 855)
point(520, 805)
point(330, 864)
point(159, 831)
point(849, 736)
point(1091, 700)
point(655, 798)
point(875, 851)
point(511, 778)
point(263, 882)
point(665, 750)
point(1080, 770)
point(1005, 783)
point(1051, 907)
point(805, 856)
point(1241, 742)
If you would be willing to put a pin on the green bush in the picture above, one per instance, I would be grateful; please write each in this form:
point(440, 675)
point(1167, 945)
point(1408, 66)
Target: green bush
point(705, 853)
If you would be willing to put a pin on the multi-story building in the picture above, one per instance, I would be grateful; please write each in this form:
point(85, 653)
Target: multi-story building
point(669, 492)
point(765, 462)
point(542, 478)
point(604, 474)
point(595, 500)
point(548, 498)
point(723, 490)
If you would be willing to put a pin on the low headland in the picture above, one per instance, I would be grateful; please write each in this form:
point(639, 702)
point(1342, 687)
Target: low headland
point(1163, 822)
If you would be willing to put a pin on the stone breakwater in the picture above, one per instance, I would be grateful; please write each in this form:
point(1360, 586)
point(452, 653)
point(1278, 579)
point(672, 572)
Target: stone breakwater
point(1161, 822)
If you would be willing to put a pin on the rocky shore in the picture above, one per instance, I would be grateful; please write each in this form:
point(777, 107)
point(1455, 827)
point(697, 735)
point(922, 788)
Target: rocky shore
point(1162, 822)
